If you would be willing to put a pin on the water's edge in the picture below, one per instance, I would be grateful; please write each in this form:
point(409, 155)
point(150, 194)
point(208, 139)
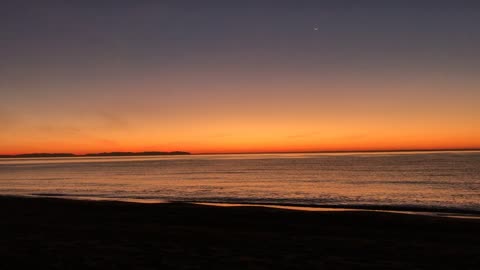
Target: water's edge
point(422, 211)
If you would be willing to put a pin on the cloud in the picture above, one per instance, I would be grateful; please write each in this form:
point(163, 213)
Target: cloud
point(303, 135)
point(7, 120)
point(220, 135)
point(63, 130)
point(113, 121)
point(348, 137)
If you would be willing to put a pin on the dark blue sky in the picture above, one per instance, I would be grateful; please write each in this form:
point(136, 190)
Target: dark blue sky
point(52, 36)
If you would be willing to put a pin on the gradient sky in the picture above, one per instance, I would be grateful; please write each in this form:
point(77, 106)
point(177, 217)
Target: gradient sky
point(238, 76)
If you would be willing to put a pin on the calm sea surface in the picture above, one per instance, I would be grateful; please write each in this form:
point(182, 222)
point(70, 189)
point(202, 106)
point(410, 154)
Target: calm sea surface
point(440, 180)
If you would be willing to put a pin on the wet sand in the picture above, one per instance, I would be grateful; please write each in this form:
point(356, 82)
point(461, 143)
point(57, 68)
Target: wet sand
point(56, 233)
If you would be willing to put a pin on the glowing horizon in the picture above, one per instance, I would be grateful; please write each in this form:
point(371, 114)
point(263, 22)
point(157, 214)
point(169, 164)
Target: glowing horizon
point(213, 79)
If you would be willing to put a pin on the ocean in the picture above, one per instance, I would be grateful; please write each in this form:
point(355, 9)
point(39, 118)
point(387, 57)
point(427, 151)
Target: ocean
point(405, 180)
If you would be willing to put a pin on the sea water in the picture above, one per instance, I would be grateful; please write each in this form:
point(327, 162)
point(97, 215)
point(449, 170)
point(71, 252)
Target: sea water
point(426, 180)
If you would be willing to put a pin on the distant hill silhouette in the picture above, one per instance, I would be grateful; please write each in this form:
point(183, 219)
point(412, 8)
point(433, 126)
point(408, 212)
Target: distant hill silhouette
point(38, 155)
point(106, 154)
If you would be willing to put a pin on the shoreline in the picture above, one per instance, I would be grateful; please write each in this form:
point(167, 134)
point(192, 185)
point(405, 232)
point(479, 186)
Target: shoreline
point(411, 210)
point(184, 153)
point(439, 213)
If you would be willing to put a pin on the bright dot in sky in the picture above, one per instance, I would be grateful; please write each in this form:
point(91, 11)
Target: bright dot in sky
point(316, 28)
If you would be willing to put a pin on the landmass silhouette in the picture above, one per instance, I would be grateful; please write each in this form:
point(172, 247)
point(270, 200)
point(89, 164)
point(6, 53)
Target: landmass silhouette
point(105, 154)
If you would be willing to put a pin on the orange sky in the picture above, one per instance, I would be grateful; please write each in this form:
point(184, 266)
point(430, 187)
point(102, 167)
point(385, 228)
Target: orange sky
point(279, 116)
point(238, 79)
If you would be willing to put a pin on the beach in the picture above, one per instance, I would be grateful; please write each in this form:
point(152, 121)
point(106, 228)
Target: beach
point(57, 233)
point(252, 134)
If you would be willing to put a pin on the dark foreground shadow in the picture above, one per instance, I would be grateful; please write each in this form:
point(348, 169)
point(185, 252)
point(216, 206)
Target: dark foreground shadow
point(64, 234)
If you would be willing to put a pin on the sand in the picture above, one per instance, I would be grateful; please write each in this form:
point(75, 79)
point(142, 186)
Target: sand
point(70, 234)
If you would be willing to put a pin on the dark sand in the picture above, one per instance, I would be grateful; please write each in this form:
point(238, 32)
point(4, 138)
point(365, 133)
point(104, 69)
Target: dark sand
point(65, 234)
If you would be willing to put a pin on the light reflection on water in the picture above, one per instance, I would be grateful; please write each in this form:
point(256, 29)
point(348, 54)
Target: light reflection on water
point(432, 180)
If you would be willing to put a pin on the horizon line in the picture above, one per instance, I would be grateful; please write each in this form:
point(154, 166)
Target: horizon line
point(343, 151)
point(255, 152)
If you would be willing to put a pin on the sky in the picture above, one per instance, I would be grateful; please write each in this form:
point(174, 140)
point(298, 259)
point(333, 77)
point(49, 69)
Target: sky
point(238, 76)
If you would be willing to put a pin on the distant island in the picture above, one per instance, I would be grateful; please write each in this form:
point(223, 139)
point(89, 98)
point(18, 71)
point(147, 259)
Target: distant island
point(106, 154)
